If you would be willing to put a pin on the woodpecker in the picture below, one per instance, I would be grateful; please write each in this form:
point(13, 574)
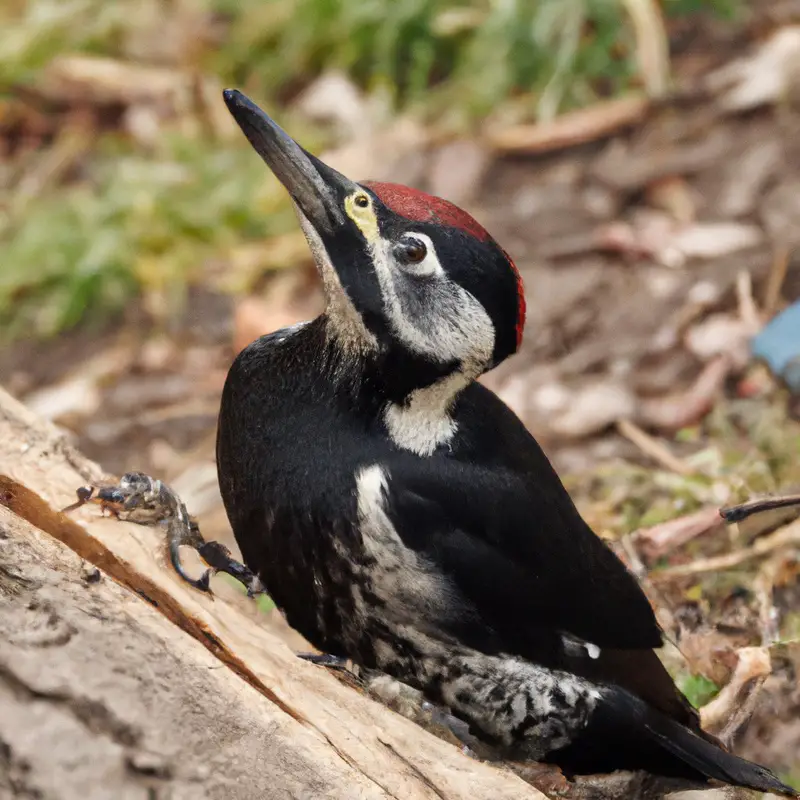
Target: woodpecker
point(400, 515)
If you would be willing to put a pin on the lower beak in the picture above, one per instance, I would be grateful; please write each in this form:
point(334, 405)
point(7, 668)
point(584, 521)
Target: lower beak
point(317, 189)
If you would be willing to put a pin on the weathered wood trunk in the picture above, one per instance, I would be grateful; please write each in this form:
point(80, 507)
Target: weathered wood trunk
point(119, 681)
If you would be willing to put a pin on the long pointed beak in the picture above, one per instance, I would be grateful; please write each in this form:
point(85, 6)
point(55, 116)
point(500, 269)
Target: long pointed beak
point(317, 189)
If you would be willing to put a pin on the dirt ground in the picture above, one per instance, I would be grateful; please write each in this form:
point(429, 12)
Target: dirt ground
point(651, 255)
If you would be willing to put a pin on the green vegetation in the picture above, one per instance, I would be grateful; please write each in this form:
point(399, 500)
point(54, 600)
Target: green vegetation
point(126, 216)
point(790, 779)
point(142, 222)
point(698, 689)
point(263, 602)
point(751, 450)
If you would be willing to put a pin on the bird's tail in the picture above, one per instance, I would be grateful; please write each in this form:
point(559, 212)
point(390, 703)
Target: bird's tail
point(626, 733)
point(704, 754)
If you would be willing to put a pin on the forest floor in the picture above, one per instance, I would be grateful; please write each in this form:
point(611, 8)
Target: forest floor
point(655, 240)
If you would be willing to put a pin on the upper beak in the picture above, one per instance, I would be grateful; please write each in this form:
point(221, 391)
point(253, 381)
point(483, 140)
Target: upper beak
point(317, 189)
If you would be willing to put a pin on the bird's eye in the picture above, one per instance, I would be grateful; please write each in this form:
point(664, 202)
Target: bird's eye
point(361, 200)
point(410, 251)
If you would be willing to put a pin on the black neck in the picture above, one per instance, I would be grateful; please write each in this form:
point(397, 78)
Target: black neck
point(389, 375)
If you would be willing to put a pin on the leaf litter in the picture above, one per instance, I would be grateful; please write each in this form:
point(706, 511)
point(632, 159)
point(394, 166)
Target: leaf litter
point(656, 240)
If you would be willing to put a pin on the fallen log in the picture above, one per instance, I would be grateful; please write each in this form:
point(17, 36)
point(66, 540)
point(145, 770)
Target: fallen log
point(118, 680)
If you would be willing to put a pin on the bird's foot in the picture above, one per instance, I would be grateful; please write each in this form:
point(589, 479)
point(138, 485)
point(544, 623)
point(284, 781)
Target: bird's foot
point(147, 500)
point(324, 660)
point(217, 556)
point(442, 718)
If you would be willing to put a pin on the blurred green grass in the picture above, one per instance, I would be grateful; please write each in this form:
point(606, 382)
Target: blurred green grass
point(129, 218)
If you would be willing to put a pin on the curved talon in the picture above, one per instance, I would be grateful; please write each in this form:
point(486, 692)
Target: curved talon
point(324, 660)
point(203, 583)
point(216, 555)
point(84, 494)
point(139, 492)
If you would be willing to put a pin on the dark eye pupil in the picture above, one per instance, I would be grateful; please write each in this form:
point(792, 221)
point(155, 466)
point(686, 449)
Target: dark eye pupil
point(412, 251)
point(362, 201)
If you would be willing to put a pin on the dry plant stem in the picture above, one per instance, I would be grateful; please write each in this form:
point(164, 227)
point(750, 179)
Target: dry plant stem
point(748, 312)
point(652, 447)
point(784, 537)
point(745, 510)
point(731, 708)
point(635, 563)
point(777, 275)
point(764, 587)
point(572, 128)
point(652, 48)
point(661, 539)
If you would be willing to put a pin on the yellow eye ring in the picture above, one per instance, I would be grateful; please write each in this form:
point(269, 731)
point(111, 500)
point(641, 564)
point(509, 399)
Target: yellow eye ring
point(361, 200)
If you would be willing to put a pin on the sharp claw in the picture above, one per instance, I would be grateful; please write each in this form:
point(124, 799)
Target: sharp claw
point(137, 491)
point(84, 494)
point(219, 558)
point(324, 660)
point(203, 583)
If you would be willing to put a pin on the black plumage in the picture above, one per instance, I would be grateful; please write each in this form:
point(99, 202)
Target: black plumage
point(401, 515)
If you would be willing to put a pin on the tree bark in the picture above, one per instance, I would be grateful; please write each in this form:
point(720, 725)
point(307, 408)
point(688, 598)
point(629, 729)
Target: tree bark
point(119, 680)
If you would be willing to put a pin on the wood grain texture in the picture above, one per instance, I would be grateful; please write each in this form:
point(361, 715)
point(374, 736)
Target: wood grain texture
point(219, 708)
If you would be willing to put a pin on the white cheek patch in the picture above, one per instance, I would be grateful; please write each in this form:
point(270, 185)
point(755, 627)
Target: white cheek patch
point(447, 323)
point(347, 324)
point(442, 322)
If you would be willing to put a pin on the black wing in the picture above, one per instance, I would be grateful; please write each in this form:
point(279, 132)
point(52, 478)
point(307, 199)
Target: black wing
point(523, 554)
point(511, 541)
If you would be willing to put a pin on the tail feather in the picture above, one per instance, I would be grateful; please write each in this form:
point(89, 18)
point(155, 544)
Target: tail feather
point(626, 733)
point(712, 760)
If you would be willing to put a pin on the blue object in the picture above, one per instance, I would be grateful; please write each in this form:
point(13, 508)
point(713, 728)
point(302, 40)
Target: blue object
point(778, 344)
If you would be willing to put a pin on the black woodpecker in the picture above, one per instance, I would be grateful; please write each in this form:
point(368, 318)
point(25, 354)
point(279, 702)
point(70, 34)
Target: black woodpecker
point(401, 515)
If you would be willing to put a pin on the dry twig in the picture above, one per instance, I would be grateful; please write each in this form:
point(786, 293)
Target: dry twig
point(784, 537)
point(745, 510)
point(748, 312)
point(777, 275)
point(731, 708)
point(652, 46)
point(764, 588)
point(567, 130)
point(652, 447)
point(658, 540)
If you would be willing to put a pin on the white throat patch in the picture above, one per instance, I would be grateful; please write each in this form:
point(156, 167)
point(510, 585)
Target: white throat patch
point(424, 423)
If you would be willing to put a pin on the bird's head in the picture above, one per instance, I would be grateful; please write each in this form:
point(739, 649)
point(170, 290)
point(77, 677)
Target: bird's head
point(407, 275)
